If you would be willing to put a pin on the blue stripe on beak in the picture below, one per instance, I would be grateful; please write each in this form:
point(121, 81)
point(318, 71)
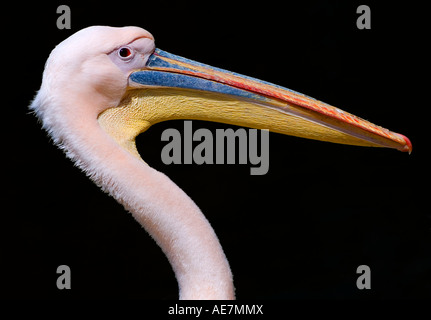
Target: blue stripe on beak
point(149, 78)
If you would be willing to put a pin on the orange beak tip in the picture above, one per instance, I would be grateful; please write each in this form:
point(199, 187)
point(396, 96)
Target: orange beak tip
point(408, 146)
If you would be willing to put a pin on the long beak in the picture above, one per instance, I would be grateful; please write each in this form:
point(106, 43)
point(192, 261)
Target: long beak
point(172, 87)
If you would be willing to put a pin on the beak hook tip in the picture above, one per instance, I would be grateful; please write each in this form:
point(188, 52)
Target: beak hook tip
point(408, 146)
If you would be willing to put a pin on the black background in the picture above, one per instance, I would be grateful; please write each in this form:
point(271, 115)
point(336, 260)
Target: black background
point(299, 231)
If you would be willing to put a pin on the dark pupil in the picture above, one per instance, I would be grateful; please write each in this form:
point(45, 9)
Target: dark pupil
point(124, 52)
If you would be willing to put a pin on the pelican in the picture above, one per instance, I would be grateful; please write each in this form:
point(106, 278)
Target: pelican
point(103, 86)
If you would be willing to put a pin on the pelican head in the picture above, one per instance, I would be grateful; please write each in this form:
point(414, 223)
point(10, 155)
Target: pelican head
point(103, 86)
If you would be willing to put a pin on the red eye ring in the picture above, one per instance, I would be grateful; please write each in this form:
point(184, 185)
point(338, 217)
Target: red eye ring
point(125, 53)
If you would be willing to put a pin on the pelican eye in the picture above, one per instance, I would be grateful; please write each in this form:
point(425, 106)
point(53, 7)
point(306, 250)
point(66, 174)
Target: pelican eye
point(125, 53)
